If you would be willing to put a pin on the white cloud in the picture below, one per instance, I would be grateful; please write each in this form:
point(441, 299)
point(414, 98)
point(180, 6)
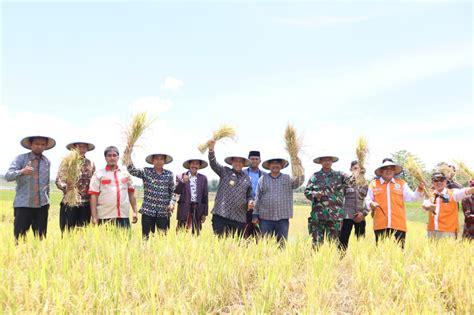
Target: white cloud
point(172, 84)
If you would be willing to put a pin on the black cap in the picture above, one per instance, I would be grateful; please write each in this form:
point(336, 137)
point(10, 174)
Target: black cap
point(254, 153)
point(438, 175)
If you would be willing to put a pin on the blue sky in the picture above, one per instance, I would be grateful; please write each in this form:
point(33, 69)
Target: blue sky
point(399, 73)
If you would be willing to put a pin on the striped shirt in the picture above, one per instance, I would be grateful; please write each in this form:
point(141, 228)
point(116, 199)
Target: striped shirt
point(274, 199)
point(233, 192)
point(25, 194)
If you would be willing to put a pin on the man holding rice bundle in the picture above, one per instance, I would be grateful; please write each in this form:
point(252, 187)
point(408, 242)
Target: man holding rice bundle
point(443, 207)
point(234, 194)
point(386, 197)
point(78, 215)
point(159, 198)
point(31, 171)
point(274, 199)
point(326, 191)
point(112, 193)
point(193, 194)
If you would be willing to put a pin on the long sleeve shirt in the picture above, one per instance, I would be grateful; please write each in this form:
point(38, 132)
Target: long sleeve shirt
point(158, 190)
point(331, 185)
point(354, 199)
point(274, 198)
point(26, 193)
point(233, 192)
point(408, 194)
point(82, 184)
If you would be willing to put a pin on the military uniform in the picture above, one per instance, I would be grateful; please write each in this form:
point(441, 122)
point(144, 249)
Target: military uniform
point(327, 212)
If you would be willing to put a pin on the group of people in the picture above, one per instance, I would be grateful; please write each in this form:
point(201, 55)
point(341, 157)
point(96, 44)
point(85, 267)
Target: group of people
point(249, 200)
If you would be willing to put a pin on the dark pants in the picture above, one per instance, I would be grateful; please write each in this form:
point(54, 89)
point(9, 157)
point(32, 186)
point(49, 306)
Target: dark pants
point(399, 235)
point(193, 221)
point(250, 229)
point(225, 227)
point(346, 231)
point(150, 224)
point(275, 228)
point(37, 218)
point(119, 222)
point(71, 217)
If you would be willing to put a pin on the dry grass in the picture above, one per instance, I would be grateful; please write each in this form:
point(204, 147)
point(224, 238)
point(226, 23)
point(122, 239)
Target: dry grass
point(224, 131)
point(294, 143)
point(139, 124)
point(71, 168)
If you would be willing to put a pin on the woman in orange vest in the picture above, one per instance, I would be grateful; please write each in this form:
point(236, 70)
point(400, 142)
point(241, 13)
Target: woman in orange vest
point(443, 206)
point(386, 197)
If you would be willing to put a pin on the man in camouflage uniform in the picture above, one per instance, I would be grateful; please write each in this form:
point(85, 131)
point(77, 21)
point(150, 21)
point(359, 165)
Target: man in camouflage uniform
point(326, 191)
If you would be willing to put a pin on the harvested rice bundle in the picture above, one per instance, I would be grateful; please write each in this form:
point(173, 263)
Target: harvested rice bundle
point(139, 125)
point(225, 131)
point(294, 144)
point(71, 166)
point(362, 150)
point(416, 171)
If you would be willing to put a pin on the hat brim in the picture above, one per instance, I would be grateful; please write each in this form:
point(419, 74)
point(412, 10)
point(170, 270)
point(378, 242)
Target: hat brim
point(229, 159)
point(168, 158)
point(26, 143)
point(318, 159)
point(398, 169)
point(266, 164)
point(203, 164)
point(71, 145)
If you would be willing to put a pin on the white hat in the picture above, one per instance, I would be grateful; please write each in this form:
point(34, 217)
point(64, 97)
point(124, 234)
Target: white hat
point(229, 159)
point(71, 145)
point(168, 158)
point(266, 166)
point(26, 142)
point(325, 155)
point(398, 168)
point(203, 163)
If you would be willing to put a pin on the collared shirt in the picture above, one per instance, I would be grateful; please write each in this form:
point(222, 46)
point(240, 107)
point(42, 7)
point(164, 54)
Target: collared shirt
point(233, 192)
point(158, 190)
point(193, 184)
point(331, 184)
point(254, 177)
point(112, 188)
point(25, 183)
point(408, 194)
point(82, 185)
point(354, 196)
point(458, 195)
point(274, 199)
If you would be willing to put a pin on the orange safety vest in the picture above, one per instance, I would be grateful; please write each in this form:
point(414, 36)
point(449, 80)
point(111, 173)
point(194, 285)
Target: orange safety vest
point(446, 218)
point(389, 196)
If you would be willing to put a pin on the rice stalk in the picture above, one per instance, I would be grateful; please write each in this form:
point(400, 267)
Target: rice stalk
point(294, 143)
point(138, 126)
point(72, 165)
point(362, 150)
point(224, 131)
point(463, 168)
point(414, 169)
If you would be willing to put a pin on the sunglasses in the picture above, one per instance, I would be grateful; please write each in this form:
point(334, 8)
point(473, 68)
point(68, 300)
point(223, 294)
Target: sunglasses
point(437, 180)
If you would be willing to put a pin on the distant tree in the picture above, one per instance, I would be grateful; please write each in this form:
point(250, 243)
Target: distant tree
point(400, 158)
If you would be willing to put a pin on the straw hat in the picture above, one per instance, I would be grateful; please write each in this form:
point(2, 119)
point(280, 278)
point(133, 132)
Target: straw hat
point(229, 159)
point(398, 168)
point(325, 154)
point(266, 165)
point(168, 158)
point(26, 142)
point(203, 163)
point(71, 145)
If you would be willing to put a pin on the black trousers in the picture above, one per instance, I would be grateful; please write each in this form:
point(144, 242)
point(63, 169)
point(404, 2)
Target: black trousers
point(37, 218)
point(225, 227)
point(120, 222)
point(346, 231)
point(249, 229)
point(71, 217)
point(150, 224)
point(399, 235)
point(193, 220)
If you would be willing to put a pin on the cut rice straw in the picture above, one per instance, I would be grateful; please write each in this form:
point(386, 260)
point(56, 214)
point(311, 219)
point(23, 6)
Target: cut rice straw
point(416, 171)
point(71, 166)
point(138, 126)
point(294, 144)
point(362, 150)
point(225, 131)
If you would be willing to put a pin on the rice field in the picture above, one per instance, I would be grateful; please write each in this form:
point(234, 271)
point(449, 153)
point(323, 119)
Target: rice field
point(102, 270)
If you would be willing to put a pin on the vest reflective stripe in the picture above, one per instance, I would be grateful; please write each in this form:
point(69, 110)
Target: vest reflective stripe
point(389, 196)
point(446, 218)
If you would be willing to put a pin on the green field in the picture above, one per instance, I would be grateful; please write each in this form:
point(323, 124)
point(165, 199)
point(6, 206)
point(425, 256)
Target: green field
point(99, 270)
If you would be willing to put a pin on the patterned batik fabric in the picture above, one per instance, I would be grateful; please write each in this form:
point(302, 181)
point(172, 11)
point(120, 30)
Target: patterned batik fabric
point(158, 190)
point(82, 184)
point(468, 209)
point(321, 230)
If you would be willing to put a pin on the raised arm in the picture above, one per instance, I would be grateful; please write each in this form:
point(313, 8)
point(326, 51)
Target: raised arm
point(137, 172)
point(216, 167)
point(297, 181)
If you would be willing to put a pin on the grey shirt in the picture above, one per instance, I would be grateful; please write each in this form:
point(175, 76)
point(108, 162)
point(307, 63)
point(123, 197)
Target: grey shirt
point(25, 183)
point(274, 199)
point(233, 192)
